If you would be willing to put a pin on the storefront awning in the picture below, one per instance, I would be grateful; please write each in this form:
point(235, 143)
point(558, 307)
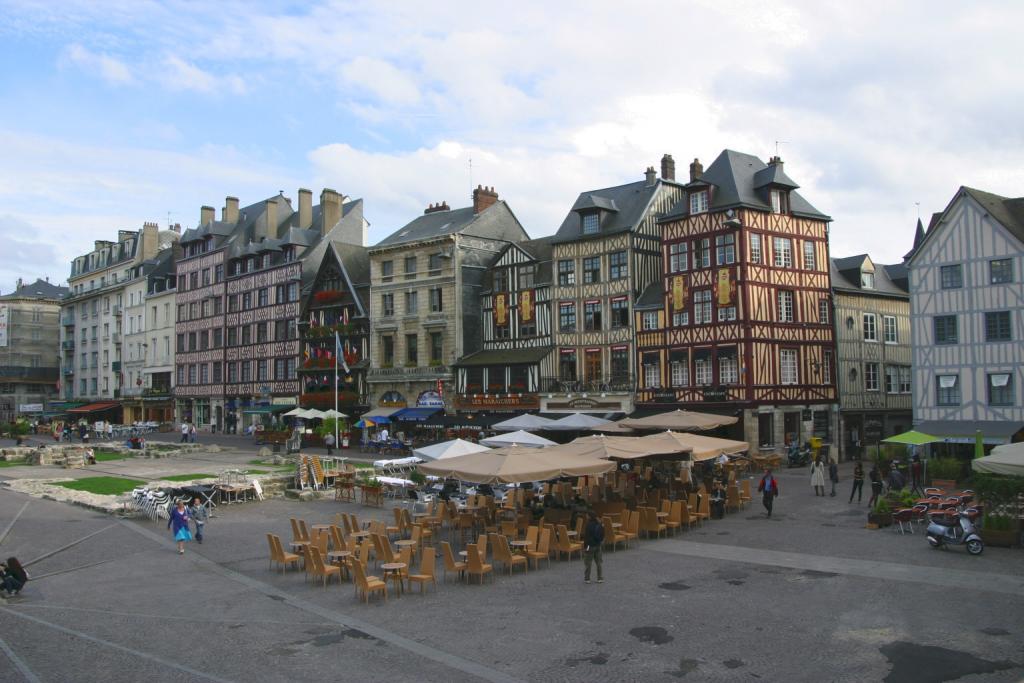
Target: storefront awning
point(469, 421)
point(95, 407)
point(264, 410)
point(381, 412)
point(964, 431)
point(415, 414)
point(504, 357)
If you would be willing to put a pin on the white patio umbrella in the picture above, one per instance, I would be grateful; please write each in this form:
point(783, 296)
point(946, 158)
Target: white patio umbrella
point(334, 413)
point(524, 421)
point(449, 449)
point(296, 412)
point(577, 422)
point(314, 414)
point(517, 438)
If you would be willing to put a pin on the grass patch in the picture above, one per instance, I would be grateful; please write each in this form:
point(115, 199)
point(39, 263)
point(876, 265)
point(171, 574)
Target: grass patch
point(12, 463)
point(103, 486)
point(189, 477)
point(363, 465)
point(104, 456)
point(258, 462)
point(257, 471)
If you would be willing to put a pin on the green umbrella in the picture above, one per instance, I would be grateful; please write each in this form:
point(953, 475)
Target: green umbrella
point(979, 444)
point(912, 438)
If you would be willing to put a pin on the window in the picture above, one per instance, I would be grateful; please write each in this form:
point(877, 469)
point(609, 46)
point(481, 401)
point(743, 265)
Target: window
point(232, 372)
point(206, 277)
point(387, 351)
point(592, 269)
point(871, 376)
point(946, 330)
point(951, 277)
point(410, 267)
point(889, 329)
point(725, 249)
point(387, 271)
point(181, 376)
point(618, 267)
point(246, 334)
point(947, 389)
point(218, 273)
point(232, 305)
point(726, 313)
point(787, 364)
point(525, 277)
point(279, 294)
point(192, 344)
point(823, 311)
point(411, 303)
point(290, 369)
point(387, 304)
point(293, 291)
point(783, 249)
point(891, 379)
point(218, 306)
point(702, 253)
point(652, 371)
point(591, 223)
point(436, 300)
point(279, 368)
point(204, 374)
point(679, 373)
point(778, 198)
point(620, 363)
point(232, 336)
point(755, 248)
point(192, 374)
point(261, 332)
point(592, 316)
point(566, 272)
point(904, 379)
point(997, 326)
point(499, 280)
point(567, 317)
point(728, 369)
point(809, 260)
point(649, 320)
point(193, 280)
point(262, 366)
point(870, 327)
point(678, 257)
point(620, 313)
point(263, 297)
point(1000, 389)
point(702, 371)
point(785, 301)
point(702, 306)
point(1000, 271)
point(680, 318)
point(412, 349)
point(218, 338)
point(434, 264)
point(528, 328)
point(766, 429)
point(246, 301)
point(699, 201)
point(826, 367)
point(567, 364)
point(436, 348)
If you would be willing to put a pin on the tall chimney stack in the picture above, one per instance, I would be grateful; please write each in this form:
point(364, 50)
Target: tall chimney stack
point(434, 208)
point(696, 170)
point(330, 208)
point(305, 208)
point(775, 161)
point(206, 215)
point(270, 215)
point(650, 175)
point(230, 213)
point(483, 198)
point(668, 167)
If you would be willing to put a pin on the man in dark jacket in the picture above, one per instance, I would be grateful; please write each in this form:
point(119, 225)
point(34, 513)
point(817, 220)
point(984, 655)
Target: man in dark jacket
point(593, 540)
point(833, 475)
point(770, 488)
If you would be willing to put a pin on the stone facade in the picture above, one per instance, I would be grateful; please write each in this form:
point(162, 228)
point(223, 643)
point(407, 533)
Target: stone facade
point(29, 343)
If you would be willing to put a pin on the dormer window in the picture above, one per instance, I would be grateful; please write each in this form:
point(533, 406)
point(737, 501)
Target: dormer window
point(780, 201)
point(699, 202)
point(591, 223)
point(867, 280)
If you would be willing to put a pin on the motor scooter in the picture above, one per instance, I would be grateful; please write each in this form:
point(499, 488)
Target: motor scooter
point(797, 456)
point(960, 531)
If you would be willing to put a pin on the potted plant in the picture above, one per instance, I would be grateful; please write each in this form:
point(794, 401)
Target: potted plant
point(881, 514)
point(998, 530)
point(944, 472)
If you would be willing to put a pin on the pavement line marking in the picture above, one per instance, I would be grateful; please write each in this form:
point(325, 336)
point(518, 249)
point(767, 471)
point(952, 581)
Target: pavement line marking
point(100, 641)
point(166, 617)
point(74, 569)
point(3, 536)
point(18, 663)
point(427, 652)
point(65, 547)
point(936, 576)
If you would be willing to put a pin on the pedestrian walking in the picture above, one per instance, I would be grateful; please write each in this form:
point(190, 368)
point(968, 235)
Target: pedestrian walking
point(199, 516)
point(818, 477)
point(110, 431)
point(769, 486)
point(593, 540)
point(876, 484)
point(329, 442)
point(184, 432)
point(192, 433)
point(833, 475)
point(178, 523)
point(858, 481)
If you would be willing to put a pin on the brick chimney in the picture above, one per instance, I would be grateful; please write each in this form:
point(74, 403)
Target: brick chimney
point(483, 198)
point(330, 208)
point(206, 215)
point(270, 216)
point(230, 213)
point(150, 239)
point(668, 167)
point(176, 228)
point(650, 175)
point(775, 161)
point(305, 208)
point(696, 170)
point(443, 206)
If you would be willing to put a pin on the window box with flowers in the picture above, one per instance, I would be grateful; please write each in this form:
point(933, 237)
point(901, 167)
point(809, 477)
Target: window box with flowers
point(328, 296)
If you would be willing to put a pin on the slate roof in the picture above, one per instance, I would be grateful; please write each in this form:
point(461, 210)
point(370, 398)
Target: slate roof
point(493, 223)
point(355, 260)
point(846, 277)
point(652, 298)
point(742, 181)
point(1009, 212)
point(540, 249)
point(622, 208)
point(40, 289)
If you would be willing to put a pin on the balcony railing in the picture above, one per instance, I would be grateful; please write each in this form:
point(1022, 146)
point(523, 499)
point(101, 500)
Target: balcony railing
point(569, 385)
point(68, 318)
point(69, 370)
point(117, 309)
point(424, 372)
point(116, 337)
point(68, 345)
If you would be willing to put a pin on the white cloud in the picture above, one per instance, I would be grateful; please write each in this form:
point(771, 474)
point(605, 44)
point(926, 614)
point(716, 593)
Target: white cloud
point(179, 74)
point(384, 80)
point(110, 69)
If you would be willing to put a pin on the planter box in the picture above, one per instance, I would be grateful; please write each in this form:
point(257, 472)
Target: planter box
point(999, 539)
point(880, 521)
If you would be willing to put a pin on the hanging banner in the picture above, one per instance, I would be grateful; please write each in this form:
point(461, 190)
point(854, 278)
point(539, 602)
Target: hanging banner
point(678, 292)
point(501, 309)
point(526, 305)
point(725, 287)
point(3, 324)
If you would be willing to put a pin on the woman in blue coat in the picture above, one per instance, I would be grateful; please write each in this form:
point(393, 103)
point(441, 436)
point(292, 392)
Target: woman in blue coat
point(178, 523)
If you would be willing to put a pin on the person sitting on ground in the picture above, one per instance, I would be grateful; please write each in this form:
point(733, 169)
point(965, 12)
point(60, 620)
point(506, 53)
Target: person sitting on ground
point(90, 456)
point(13, 576)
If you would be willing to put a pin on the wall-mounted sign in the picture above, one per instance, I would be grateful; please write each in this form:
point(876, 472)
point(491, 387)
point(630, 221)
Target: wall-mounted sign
point(526, 305)
point(3, 324)
point(725, 287)
point(678, 292)
point(501, 309)
point(716, 394)
point(429, 399)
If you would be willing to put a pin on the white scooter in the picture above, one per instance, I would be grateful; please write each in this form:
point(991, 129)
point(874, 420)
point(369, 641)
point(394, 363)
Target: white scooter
point(960, 532)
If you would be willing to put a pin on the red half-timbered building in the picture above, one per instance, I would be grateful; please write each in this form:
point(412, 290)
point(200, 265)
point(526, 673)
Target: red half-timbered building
point(740, 323)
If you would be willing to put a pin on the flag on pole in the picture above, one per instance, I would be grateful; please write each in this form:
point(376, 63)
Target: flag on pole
point(340, 353)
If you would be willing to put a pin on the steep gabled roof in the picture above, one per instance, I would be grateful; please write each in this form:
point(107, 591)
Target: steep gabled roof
point(846, 277)
point(459, 221)
point(622, 209)
point(40, 289)
point(1008, 212)
point(652, 298)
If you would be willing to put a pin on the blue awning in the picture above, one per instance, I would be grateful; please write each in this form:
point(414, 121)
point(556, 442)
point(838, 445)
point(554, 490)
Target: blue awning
point(415, 414)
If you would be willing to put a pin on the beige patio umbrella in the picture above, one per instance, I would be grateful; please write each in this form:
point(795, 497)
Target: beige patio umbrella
point(614, 428)
point(618, 447)
point(515, 465)
point(680, 420)
point(701, 447)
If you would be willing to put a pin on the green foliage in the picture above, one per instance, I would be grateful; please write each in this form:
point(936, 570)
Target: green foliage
point(327, 426)
point(18, 428)
point(103, 486)
point(370, 481)
point(882, 507)
point(104, 456)
point(189, 477)
point(997, 491)
point(417, 477)
point(997, 522)
point(945, 468)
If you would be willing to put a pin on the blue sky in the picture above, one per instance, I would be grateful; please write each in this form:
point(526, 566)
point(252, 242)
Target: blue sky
point(116, 113)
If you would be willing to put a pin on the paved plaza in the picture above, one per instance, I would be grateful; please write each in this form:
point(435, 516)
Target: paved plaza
point(808, 595)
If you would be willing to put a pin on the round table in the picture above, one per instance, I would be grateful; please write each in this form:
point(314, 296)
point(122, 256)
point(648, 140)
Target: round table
point(337, 556)
point(520, 546)
point(394, 570)
point(321, 527)
point(405, 542)
point(616, 525)
point(661, 515)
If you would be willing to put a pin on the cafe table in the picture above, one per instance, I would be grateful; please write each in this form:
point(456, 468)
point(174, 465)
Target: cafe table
point(394, 571)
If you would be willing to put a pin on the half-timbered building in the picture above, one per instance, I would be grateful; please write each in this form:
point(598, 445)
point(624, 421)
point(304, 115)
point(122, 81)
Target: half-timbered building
point(872, 327)
point(505, 376)
point(967, 319)
point(605, 253)
point(744, 325)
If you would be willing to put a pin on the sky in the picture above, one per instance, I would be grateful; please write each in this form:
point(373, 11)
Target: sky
point(117, 113)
